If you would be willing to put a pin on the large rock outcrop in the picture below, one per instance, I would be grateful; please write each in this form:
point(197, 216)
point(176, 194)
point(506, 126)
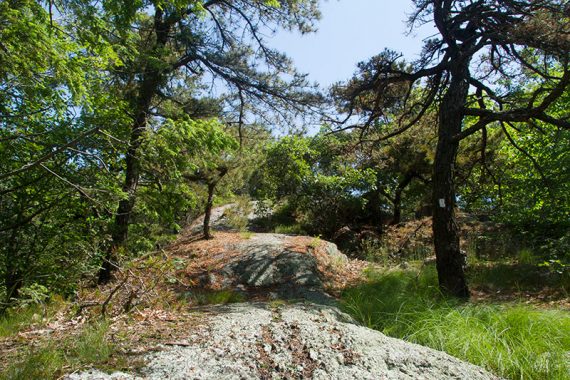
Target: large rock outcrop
point(298, 341)
point(283, 266)
point(281, 339)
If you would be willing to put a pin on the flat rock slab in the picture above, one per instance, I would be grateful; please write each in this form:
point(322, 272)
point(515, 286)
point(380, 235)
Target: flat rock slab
point(298, 341)
point(219, 220)
point(284, 265)
point(267, 261)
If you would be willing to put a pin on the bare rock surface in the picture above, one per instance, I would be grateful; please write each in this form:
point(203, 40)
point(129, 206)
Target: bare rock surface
point(312, 339)
point(294, 341)
point(219, 217)
point(278, 263)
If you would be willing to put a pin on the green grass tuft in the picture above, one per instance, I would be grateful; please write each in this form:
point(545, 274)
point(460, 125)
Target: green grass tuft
point(17, 319)
point(43, 363)
point(246, 235)
point(214, 297)
point(293, 229)
point(90, 348)
point(514, 341)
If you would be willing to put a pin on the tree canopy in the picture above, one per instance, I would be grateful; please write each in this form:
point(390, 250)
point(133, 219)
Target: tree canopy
point(120, 119)
point(476, 74)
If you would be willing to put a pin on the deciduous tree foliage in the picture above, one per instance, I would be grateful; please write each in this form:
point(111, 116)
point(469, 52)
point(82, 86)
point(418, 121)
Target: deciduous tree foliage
point(472, 72)
point(51, 166)
point(217, 38)
point(322, 182)
point(85, 89)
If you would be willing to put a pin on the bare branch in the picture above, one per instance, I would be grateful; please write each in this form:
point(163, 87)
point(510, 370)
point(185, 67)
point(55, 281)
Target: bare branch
point(50, 155)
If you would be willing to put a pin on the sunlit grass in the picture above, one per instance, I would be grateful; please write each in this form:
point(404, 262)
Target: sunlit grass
point(214, 297)
point(52, 358)
point(514, 341)
point(43, 363)
point(14, 320)
point(294, 229)
point(92, 346)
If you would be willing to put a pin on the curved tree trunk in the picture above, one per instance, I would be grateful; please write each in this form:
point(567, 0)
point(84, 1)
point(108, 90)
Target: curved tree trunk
point(212, 183)
point(449, 259)
point(120, 226)
point(208, 212)
point(13, 279)
point(148, 88)
point(398, 197)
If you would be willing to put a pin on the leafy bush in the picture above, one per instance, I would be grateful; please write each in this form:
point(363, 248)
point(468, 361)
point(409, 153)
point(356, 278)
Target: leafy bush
point(322, 192)
point(557, 253)
point(35, 294)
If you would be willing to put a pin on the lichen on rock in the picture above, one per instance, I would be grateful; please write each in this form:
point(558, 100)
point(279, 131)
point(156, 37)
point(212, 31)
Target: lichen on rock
point(294, 341)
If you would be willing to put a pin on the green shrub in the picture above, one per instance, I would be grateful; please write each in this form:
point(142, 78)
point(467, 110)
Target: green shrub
point(34, 294)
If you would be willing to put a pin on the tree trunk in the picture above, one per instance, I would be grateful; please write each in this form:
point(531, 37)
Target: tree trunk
point(149, 86)
point(449, 259)
point(13, 282)
point(13, 279)
point(398, 197)
point(120, 227)
point(374, 209)
point(208, 212)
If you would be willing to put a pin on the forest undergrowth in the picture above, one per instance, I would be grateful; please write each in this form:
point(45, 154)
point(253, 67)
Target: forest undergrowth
point(515, 324)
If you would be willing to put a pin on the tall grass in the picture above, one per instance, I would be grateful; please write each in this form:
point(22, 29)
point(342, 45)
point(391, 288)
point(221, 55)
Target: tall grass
point(214, 297)
point(513, 341)
point(51, 359)
point(14, 320)
point(43, 363)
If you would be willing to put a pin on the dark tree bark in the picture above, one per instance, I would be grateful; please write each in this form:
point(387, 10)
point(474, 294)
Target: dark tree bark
point(498, 33)
point(149, 87)
point(13, 281)
point(211, 180)
point(13, 278)
point(449, 260)
point(120, 227)
point(374, 214)
point(397, 201)
point(208, 211)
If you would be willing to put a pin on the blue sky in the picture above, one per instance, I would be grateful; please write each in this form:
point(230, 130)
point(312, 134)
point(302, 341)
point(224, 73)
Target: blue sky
point(351, 31)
